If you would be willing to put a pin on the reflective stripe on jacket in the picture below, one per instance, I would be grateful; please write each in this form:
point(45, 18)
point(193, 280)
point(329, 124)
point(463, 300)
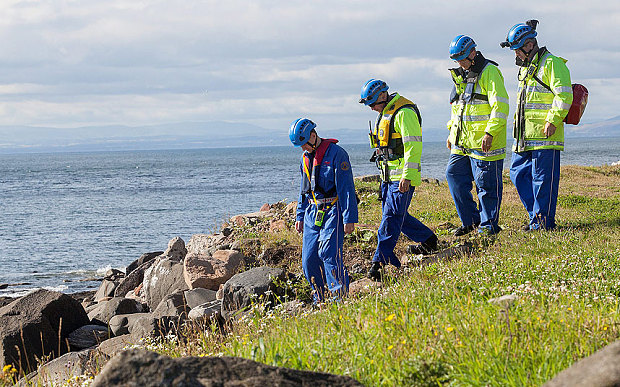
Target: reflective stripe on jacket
point(470, 120)
point(542, 105)
point(404, 123)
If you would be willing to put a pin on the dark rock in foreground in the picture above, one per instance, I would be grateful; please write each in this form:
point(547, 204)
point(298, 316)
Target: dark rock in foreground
point(602, 369)
point(143, 368)
point(30, 326)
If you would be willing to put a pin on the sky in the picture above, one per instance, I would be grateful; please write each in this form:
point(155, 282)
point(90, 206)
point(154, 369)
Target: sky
point(67, 63)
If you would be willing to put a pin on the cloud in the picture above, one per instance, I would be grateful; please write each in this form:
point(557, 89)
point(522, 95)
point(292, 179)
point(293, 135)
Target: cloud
point(88, 62)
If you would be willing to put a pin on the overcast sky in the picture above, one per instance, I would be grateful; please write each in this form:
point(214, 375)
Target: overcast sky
point(69, 63)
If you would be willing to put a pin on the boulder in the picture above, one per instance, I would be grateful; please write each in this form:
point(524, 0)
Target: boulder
point(255, 285)
point(199, 296)
point(204, 244)
point(150, 327)
point(602, 369)
point(106, 289)
point(291, 209)
point(146, 257)
point(176, 249)
point(265, 207)
point(138, 367)
point(277, 225)
point(172, 305)
point(163, 278)
point(209, 311)
point(120, 324)
point(112, 346)
point(209, 272)
point(29, 327)
point(87, 336)
point(109, 309)
point(133, 279)
point(113, 275)
point(363, 286)
point(58, 371)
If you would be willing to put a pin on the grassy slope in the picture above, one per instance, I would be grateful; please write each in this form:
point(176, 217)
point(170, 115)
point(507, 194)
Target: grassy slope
point(435, 324)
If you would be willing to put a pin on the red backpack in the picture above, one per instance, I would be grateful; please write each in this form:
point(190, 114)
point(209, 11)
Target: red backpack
point(580, 100)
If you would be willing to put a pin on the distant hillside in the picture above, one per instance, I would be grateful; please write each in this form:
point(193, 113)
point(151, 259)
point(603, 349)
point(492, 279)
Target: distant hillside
point(607, 128)
point(188, 135)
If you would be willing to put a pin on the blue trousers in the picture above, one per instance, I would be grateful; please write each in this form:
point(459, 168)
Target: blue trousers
point(395, 220)
point(321, 256)
point(536, 175)
point(460, 173)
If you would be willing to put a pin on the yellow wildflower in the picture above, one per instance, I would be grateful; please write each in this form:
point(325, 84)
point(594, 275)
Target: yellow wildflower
point(390, 317)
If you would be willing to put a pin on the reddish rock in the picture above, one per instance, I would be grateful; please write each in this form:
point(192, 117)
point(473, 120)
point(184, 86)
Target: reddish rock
point(209, 272)
point(291, 208)
point(277, 225)
point(265, 207)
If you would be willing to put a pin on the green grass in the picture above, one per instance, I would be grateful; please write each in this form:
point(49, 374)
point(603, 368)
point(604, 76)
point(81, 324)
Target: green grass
point(435, 326)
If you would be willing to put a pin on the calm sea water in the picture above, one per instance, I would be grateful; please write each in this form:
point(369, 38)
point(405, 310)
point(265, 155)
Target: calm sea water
point(70, 216)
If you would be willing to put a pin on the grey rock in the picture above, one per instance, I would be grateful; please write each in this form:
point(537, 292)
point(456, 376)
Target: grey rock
point(602, 369)
point(112, 346)
point(29, 327)
point(133, 279)
point(109, 309)
point(120, 324)
point(199, 296)
point(87, 336)
point(176, 249)
point(113, 275)
point(204, 244)
point(106, 289)
point(163, 278)
point(58, 371)
point(149, 326)
point(138, 367)
point(209, 311)
point(172, 305)
point(250, 286)
point(146, 257)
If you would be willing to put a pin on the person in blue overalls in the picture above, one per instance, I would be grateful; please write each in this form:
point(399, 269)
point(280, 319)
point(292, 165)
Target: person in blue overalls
point(327, 209)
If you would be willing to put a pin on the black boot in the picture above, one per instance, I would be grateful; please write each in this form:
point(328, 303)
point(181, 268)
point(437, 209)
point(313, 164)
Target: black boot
point(375, 273)
point(427, 247)
point(464, 230)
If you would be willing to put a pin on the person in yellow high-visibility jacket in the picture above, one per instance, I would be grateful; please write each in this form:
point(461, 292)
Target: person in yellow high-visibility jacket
point(477, 139)
point(397, 137)
point(545, 95)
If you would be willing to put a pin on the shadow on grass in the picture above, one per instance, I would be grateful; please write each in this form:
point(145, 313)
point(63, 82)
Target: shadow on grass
point(585, 224)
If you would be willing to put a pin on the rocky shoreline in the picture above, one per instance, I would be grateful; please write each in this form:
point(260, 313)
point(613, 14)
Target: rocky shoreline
point(212, 280)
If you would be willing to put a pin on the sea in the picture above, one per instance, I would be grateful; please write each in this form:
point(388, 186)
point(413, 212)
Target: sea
point(69, 217)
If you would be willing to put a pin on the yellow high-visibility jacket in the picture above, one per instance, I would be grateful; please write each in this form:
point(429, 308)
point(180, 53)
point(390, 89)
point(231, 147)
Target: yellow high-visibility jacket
point(536, 104)
point(485, 112)
point(401, 121)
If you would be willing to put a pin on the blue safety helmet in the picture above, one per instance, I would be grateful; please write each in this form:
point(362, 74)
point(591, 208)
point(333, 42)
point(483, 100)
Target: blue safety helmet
point(461, 47)
point(371, 90)
point(519, 33)
point(300, 131)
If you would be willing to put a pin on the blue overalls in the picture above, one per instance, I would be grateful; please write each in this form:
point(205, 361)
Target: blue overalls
point(536, 175)
point(396, 219)
point(487, 175)
point(322, 259)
